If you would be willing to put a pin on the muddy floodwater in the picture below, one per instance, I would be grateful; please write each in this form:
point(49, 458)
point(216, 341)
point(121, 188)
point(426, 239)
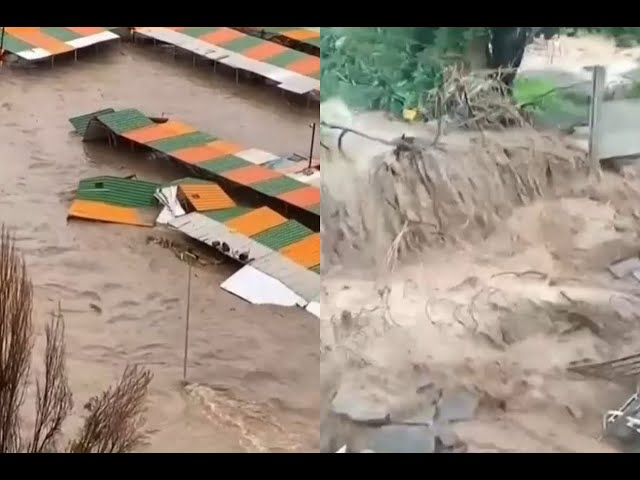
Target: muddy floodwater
point(256, 367)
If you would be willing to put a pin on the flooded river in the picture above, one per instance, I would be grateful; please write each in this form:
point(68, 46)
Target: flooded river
point(257, 367)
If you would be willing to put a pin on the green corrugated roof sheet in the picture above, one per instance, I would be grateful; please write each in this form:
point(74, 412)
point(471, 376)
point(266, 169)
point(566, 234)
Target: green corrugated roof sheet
point(226, 214)
point(61, 33)
point(277, 186)
point(124, 192)
point(279, 237)
point(198, 31)
point(13, 44)
point(284, 30)
point(286, 58)
point(187, 140)
point(220, 165)
point(81, 123)
point(124, 120)
point(243, 43)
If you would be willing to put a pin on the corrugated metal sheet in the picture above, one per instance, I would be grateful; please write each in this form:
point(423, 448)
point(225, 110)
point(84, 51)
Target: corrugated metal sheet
point(81, 123)
point(314, 307)
point(205, 229)
point(299, 34)
point(302, 281)
point(314, 178)
point(158, 131)
point(204, 153)
point(208, 196)
point(170, 144)
point(124, 120)
point(291, 70)
point(118, 191)
point(228, 214)
point(259, 288)
point(251, 175)
point(283, 235)
point(36, 43)
point(257, 49)
point(302, 197)
point(224, 164)
point(256, 156)
point(255, 221)
point(277, 186)
point(305, 252)
point(103, 212)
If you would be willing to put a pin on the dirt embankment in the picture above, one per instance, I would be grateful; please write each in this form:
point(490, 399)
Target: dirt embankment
point(460, 281)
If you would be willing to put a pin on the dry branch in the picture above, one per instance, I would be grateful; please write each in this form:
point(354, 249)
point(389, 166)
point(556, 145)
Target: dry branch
point(16, 340)
point(53, 399)
point(115, 417)
point(478, 99)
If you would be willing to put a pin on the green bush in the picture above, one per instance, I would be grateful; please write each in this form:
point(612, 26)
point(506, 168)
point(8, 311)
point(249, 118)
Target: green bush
point(387, 68)
point(392, 68)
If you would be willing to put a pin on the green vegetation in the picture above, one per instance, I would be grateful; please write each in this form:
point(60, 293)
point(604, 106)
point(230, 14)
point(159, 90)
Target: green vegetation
point(550, 105)
point(392, 68)
point(387, 68)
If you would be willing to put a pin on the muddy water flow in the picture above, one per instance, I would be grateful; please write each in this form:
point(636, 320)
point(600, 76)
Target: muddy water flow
point(124, 300)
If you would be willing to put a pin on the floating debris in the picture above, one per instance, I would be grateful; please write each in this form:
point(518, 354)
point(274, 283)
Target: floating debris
point(624, 423)
point(116, 200)
point(284, 250)
point(209, 157)
point(622, 370)
point(625, 267)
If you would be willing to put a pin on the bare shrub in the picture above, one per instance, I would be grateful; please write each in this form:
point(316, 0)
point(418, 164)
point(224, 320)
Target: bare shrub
point(115, 421)
point(115, 417)
point(53, 398)
point(16, 341)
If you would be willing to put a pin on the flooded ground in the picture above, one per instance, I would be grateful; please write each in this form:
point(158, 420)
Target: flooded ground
point(262, 362)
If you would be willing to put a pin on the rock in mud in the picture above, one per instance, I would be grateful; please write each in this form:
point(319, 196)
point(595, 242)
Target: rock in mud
point(402, 439)
point(424, 417)
point(457, 406)
point(359, 407)
point(523, 319)
point(447, 441)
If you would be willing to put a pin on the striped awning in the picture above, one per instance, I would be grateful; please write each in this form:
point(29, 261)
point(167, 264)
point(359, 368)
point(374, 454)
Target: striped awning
point(36, 43)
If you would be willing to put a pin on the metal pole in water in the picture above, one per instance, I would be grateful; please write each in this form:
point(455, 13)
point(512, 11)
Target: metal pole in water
point(313, 139)
point(186, 329)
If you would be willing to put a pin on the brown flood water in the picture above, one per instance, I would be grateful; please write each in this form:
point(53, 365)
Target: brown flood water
point(262, 361)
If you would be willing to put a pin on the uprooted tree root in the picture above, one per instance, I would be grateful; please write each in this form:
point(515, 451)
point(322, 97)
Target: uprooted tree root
point(483, 160)
point(478, 100)
point(419, 194)
point(114, 422)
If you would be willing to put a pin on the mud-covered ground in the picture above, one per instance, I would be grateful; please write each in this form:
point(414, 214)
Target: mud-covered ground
point(261, 361)
point(464, 345)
